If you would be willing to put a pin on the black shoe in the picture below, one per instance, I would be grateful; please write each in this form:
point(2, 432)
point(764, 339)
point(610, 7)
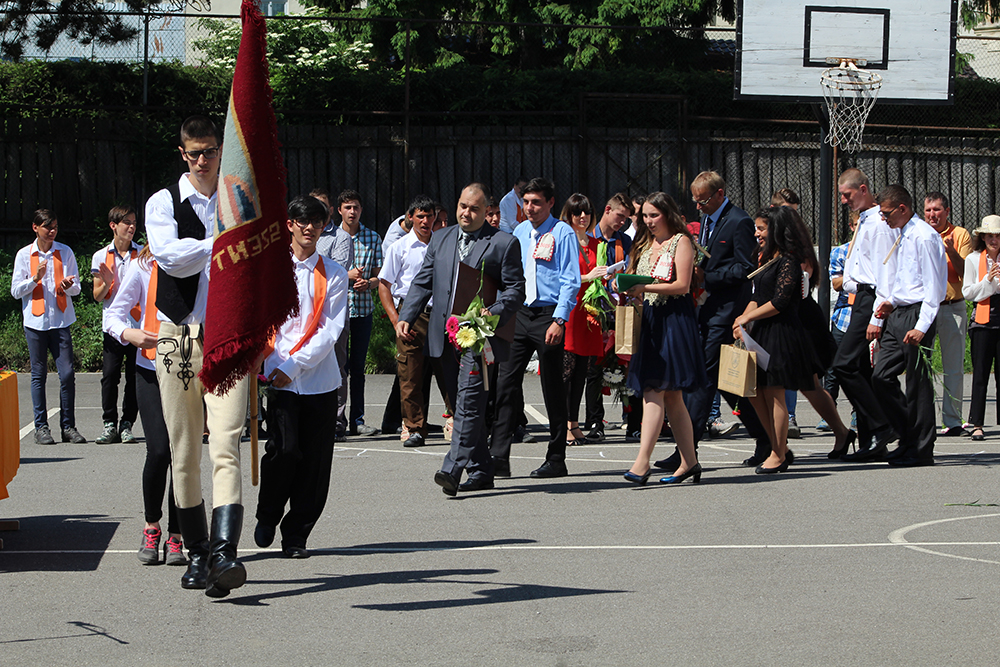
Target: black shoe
point(633, 436)
point(43, 436)
point(294, 552)
point(501, 467)
point(415, 440)
point(447, 482)
point(521, 434)
point(194, 532)
point(671, 463)
point(896, 454)
point(911, 462)
point(875, 453)
point(70, 434)
point(477, 484)
point(761, 470)
point(263, 535)
point(225, 573)
point(836, 453)
point(550, 469)
point(694, 472)
point(595, 436)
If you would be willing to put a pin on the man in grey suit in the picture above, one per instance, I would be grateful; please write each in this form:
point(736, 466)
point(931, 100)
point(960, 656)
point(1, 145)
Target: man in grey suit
point(498, 254)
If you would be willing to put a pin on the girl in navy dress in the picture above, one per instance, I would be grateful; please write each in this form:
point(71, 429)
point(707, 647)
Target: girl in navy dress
point(669, 359)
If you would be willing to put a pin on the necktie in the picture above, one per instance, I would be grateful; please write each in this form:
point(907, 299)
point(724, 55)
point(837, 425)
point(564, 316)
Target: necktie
point(704, 230)
point(465, 242)
point(530, 285)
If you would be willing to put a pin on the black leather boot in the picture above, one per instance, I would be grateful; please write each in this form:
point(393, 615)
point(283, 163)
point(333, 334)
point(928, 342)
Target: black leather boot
point(194, 530)
point(225, 573)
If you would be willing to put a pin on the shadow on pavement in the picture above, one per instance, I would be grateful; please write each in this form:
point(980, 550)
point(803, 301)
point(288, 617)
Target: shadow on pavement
point(77, 543)
point(498, 592)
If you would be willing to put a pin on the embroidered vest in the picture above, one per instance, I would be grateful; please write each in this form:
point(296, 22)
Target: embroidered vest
point(175, 297)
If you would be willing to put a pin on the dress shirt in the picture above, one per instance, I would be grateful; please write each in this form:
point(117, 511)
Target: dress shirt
point(22, 284)
point(974, 289)
point(393, 234)
point(182, 258)
point(336, 244)
point(920, 271)
point(873, 240)
point(402, 264)
point(558, 279)
point(313, 369)
point(508, 211)
point(963, 246)
point(133, 289)
point(841, 316)
point(122, 263)
point(709, 223)
point(367, 258)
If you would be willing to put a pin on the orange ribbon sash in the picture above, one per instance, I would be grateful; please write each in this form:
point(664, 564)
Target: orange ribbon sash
point(38, 294)
point(983, 307)
point(149, 321)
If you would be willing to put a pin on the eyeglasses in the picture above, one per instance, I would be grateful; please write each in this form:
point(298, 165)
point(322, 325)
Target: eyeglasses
point(885, 214)
point(704, 202)
point(318, 223)
point(209, 153)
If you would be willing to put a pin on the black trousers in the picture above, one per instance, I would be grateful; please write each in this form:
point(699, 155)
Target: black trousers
point(852, 365)
point(593, 394)
point(984, 348)
point(295, 468)
point(114, 354)
point(529, 336)
point(911, 414)
point(156, 469)
point(830, 381)
point(575, 369)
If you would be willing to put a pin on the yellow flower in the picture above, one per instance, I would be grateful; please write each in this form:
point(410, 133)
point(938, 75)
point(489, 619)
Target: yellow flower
point(466, 337)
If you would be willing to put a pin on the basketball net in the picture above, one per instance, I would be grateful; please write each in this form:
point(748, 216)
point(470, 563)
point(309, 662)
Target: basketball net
point(849, 94)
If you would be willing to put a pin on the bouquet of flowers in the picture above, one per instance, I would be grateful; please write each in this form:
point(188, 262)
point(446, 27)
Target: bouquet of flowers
point(470, 331)
point(613, 378)
point(596, 300)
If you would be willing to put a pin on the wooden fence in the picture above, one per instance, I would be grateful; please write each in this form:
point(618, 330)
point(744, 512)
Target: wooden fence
point(81, 170)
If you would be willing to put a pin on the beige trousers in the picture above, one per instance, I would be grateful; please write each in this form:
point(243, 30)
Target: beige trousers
point(178, 361)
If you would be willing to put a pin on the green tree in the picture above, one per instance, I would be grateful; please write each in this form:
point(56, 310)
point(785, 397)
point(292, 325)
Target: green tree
point(41, 22)
point(975, 12)
point(546, 40)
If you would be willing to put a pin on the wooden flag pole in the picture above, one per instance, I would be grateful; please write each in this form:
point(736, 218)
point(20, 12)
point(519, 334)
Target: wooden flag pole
point(892, 250)
point(753, 273)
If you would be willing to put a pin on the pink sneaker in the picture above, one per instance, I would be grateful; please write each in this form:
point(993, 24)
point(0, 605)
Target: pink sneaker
point(149, 552)
point(173, 551)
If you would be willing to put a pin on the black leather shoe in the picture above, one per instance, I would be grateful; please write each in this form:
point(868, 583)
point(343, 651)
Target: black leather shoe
point(415, 440)
point(876, 453)
point(896, 454)
point(595, 436)
point(263, 536)
point(911, 462)
point(753, 461)
point(761, 470)
point(194, 532)
point(477, 484)
point(501, 467)
point(226, 573)
point(550, 469)
point(671, 463)
point(521, 434)
point(447, 482)
point(294, 552)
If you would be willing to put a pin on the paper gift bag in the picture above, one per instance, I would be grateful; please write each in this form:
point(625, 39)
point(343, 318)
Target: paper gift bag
point(737, 370)
point(628, 321)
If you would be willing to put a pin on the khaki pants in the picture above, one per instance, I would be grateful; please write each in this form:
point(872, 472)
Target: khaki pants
point(178, 362)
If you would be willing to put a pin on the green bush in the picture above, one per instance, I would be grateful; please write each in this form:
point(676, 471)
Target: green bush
point(382, 344)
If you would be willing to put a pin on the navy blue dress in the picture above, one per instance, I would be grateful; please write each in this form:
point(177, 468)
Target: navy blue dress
point(670, 355)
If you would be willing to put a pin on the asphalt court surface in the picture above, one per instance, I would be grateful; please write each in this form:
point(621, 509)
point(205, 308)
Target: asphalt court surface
point(828, 563)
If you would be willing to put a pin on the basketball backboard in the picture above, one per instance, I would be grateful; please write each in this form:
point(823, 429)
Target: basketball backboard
point(782, 47)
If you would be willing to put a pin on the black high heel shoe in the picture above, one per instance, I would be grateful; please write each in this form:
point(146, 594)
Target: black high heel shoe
point(836, 453)
point(694, 472)
point(637, 479)
point(761, 470)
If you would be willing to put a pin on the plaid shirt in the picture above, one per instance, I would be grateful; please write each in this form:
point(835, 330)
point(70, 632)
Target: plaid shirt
point(368, 258)
point(841, 316)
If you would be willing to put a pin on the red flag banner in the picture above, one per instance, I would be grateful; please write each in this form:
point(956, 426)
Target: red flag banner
point(251, 290)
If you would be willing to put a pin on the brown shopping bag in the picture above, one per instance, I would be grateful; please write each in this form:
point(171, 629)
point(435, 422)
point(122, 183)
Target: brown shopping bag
point(737, 370)
point(628, 321)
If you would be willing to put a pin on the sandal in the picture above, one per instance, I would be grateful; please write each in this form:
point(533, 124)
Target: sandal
point(977, 434)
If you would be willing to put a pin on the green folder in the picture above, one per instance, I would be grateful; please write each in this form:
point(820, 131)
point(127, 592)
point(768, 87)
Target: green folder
point(623, 281)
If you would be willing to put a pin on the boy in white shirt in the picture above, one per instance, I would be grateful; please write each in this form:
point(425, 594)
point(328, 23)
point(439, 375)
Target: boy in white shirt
point(302, 413)
point(45, 280)
point(108, 267)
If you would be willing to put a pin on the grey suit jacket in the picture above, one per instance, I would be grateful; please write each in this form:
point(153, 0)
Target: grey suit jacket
point(498, 253)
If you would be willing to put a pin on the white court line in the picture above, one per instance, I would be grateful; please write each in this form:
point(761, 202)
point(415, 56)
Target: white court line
point(31, 425)
point(591, 547)
point(899, 537)
point(539, 417)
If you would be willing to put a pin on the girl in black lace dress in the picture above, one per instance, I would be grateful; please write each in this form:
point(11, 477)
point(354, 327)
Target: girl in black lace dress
point(774, 312)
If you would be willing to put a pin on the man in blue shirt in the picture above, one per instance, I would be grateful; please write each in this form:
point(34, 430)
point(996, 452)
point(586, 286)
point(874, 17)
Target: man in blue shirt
point(549, 253)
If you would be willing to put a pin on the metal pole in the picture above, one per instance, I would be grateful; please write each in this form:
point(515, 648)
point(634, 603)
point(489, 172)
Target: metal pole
point(825, 221)
point(406, 120)
point(145, 110)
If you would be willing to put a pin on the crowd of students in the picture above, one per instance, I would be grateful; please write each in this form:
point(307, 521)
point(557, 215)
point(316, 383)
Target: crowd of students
point(548, 287)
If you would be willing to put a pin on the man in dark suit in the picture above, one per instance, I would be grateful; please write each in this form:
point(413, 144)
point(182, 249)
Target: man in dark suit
point(727, 234)
point(498, 255)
